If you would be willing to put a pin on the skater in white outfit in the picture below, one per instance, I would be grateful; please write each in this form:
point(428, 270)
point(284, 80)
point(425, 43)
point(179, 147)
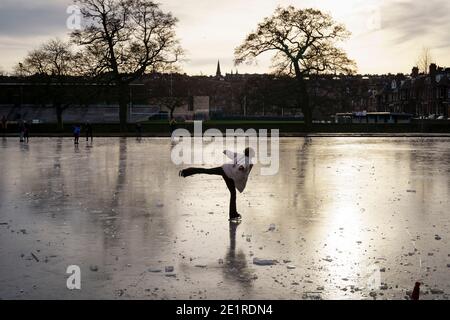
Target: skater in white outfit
point(235, 175)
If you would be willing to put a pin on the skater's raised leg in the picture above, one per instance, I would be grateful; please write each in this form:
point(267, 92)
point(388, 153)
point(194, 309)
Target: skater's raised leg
point(191, 171)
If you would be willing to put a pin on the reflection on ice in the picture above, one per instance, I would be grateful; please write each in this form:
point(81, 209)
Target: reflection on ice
point(343, 218)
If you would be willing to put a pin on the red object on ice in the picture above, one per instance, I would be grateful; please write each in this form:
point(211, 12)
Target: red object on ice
point(416, 292)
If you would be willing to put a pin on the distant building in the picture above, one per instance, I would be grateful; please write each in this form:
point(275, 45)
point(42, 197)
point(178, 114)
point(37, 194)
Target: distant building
point(218, 72)
point(424, 95)
point(232, 95)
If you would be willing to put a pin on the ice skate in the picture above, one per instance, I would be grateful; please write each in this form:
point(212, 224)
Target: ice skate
point(235, 218)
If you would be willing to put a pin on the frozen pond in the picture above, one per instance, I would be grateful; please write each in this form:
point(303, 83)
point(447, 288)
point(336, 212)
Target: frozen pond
point(346, 212)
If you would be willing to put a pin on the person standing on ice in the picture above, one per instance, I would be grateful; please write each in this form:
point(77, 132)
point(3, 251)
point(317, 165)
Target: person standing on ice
point(26, 132)
point(235, 175)
point(89, 132)
point(22, 130)
point(76, 133)
point(4, 125)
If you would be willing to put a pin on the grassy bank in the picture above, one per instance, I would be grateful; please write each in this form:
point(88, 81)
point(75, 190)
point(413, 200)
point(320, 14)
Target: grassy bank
point(286, 128)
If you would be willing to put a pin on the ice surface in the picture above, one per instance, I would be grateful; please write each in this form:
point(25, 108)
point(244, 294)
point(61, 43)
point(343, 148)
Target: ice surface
point(344, 208)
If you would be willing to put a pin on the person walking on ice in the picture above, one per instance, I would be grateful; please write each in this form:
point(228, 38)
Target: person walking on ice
point(235, 175)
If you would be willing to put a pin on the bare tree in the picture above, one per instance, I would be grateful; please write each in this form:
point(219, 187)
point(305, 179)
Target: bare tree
point(125, 39)
point(171, 103)
point(51, 64)
point(19, 70)
point(304, 42)
point(170, 92)
point(424, 60)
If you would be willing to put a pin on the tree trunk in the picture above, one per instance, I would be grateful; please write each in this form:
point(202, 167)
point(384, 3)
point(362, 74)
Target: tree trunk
point(123, 106)
point(303, 96)
point(59, 119)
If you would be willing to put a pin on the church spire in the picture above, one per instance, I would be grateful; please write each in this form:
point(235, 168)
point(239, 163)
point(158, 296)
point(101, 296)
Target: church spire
point(218, 72)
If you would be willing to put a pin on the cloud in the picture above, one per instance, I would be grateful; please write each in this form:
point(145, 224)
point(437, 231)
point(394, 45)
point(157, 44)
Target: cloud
point(425, 21)
point(390, 32)
point(21, 18)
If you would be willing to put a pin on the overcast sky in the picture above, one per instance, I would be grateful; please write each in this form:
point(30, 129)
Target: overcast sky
point(387, 35)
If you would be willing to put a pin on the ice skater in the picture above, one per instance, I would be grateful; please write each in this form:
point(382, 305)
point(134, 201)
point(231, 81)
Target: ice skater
point(89, 132)
point(139, 130)
point(235, 175)
point(26, 132)
point(76, 134)
point(4, 125)
point(22, 130)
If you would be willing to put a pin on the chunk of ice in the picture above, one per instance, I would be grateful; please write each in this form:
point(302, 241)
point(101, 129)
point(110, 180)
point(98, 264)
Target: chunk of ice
point(264, 262)
point(169, 269)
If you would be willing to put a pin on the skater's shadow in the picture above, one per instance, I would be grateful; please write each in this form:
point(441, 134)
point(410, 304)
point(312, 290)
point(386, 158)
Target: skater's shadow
point(236, 269)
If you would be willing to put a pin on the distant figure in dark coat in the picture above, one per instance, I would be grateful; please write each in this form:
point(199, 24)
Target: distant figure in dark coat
point(21, 130)
point(26, 131)
point(4, 125)
point(89, 132)
point(139, 130)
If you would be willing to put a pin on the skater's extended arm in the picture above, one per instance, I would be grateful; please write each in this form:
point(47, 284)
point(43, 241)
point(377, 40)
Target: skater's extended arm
point(231, 155)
